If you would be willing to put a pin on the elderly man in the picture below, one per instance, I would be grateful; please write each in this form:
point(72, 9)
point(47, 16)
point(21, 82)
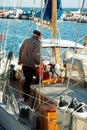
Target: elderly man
point(29, 57)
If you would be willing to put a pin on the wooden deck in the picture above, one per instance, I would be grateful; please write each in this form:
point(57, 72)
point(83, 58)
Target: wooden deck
point(51, 93)
point(47, 95)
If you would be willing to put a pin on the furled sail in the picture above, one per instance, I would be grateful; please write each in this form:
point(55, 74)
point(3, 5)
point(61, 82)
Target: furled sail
point(47, 10)
point(50, 13)
point(48, 18)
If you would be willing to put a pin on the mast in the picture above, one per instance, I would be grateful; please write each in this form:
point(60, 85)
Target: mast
point(55, 51)
point(54, 18)
point(47, 18)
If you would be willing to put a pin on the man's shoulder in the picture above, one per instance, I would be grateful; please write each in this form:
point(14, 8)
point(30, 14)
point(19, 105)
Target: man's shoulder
point(28, 40)
point(31, 40)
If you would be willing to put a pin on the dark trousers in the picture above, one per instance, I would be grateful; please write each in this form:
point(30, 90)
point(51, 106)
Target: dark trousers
point(28, 72)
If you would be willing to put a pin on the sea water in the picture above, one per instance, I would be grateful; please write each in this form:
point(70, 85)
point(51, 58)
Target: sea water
point(15, 31)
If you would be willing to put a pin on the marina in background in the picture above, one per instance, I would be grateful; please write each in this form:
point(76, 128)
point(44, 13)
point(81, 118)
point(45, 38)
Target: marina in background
point(72, 14)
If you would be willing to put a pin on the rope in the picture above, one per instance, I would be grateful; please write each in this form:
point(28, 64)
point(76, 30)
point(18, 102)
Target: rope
point(45, 102)
point(75, 46)
point(6, 35)
point(8, 61)
point(12, 45)
point(40, 50)
point(26, 33)
point(42, 13)
point(30, 96)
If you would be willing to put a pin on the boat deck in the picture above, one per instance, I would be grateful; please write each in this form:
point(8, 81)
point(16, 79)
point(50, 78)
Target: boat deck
point(49, 95)
point(54, 91)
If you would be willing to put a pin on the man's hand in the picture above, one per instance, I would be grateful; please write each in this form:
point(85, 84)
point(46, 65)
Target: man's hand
point(19, 62)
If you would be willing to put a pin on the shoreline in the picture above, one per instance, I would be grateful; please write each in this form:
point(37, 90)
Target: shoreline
point(76, 16)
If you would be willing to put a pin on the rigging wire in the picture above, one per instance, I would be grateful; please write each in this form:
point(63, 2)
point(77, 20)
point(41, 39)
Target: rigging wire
point(6, 35)
point(10, 53)
point(15, 28)
point(19, 2)
point(52, 40)
point(47, 101)
point(75, 45)
point(40, 50)
point(26, 33)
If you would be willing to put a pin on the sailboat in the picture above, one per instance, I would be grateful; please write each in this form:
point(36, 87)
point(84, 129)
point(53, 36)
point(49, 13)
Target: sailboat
point(53, 105)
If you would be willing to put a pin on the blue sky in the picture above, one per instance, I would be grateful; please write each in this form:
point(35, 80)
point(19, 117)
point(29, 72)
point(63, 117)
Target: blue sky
point(30, 3)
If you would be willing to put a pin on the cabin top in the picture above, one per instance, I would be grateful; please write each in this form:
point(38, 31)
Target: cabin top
point(47, 43)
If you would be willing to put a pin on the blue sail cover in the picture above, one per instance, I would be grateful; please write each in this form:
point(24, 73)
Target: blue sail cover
point(47, 10)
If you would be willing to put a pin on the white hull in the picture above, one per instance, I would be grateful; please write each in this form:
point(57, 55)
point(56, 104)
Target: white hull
point(73, 116)
point(69, 121)
point(80, 121)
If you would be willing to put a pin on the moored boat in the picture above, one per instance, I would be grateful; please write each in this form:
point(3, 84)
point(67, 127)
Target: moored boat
point(45, 96)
